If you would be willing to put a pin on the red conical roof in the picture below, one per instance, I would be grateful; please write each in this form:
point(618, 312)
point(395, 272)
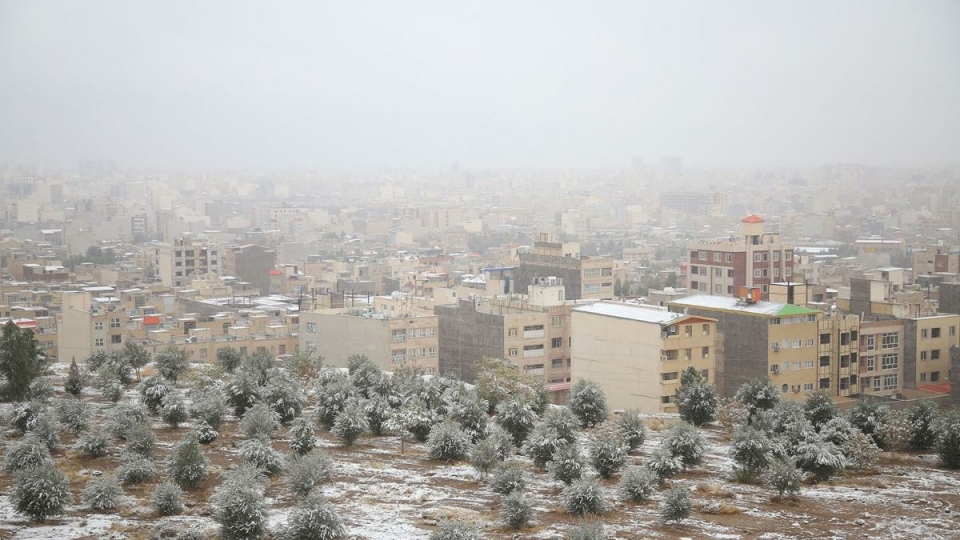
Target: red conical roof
point(752, 218)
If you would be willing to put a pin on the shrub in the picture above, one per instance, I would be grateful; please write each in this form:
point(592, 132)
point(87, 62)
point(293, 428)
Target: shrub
point(731, 414)
point(507, 478)
point(895, 430)
point(923, 418)
point(259, 453)
point(186, 465)
point(637, 484)
point(588, 529)
point(74, 384)
point(483, 456)
point(584, 497)
point(111, 390)
point(471, 414)
point(948, 440)
point(332, 395)
point(752, 451)
point(167, 499)
point(588, 403)
point(860, 450)
point(350, 423)
point(41, 389)
point(208, 405)
point(314, 519)
point(174, 411)
point(783, 477)
point(26, 453)
point(675, 505)
point(259, 365)
point(447, 442)
point(102, 493)
point(541, 444)
point(758, 395)
point(413, 417)
point(46, 428)
point(309, 471)
point(516, 416)
point(142, 440)
point(171, 363)
point(516, 511)
point(867, 416)
point(125, 416)
point(239, 505)
point(114, 369)
point(229, 359)
point(135, 469)
point(377, 410)
point(285, 396)
point(260, 422)
point(838, 431)
point(241, 392)
point(152, 391)
point(562, 420)
point(664, 465)
point(455, 530)
point(41, 492)
point(568, 463)
point(24, 414)
point(820, 409)
point(684, 441)
point(632, 428)
point(608, 451)
point(206, 434)
point(696, 400)
point(302, 439)
point(501, 440)
point(93, 443)
point(820, 458)
point(74, 415)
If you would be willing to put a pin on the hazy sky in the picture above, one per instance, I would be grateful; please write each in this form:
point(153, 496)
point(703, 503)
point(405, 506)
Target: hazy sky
point(423, 84)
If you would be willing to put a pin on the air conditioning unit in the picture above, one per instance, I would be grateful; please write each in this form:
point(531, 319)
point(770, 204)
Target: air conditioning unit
point(775, 370)
point(776, 347)
point(796, 389)
point(664, 358)
point(664, 335)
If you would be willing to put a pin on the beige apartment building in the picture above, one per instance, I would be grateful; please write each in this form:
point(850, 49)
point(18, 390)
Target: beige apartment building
point(637, 353)
point(89, 323)
point(583, 277)
point(838, 354)
point(176, 263)
point(927, 342)
point(881, 357)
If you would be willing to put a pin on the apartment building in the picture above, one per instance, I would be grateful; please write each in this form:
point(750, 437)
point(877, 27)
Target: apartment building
point(532, 331)
point(881, 357)
point(926, 353)
point(755, 260)
point(90, 321)
point(583, 277)
point(250, 263)
point(936, 259)
point(176, 263)
point(410, 340)
point(637, 353)
point(838, 355)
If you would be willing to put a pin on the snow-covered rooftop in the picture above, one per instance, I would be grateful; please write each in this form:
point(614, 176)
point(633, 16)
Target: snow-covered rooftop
point(634, 312)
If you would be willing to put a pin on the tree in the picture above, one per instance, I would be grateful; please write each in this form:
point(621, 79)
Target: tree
point(637, 484)
point(350, 423)
point(171, 363)
point(302, 438)
point(167, 499)
point(617, 288)
point(821, 458)
point(239, 504)
point(102, 493)
point(676, 505)
point(136, 356)
point(631, 426)
point(308, 472)
point(455, 530)
point(584, 497)
point(860, 450)
point(229, 359)
point(74, 415)
point(948, 440)
point(867, 415)
point(41, 492)
point(685, 441)
point(541, 444)
point(447, 442)
point(499, 380)
point(507, 478)
point(758, 395)
point(752, 452)
point(414, 418)
point(820, 409)
point(260, 421)
point(895, 430)
point(284, 395)
point(174, 411)
point(259, 453)
point(28, 452)
point(517, 417)
point(313, 519)
point(567, 464)
point(186, 465)
point(783, 477)
point(923, 418)
point(697, 401)
point(74, 384)
point(21, 361)
point(516, 511)
point(588, 403)
point(608, 451)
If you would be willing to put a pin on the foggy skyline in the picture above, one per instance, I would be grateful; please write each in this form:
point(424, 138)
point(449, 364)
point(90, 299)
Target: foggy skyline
point(500, 84)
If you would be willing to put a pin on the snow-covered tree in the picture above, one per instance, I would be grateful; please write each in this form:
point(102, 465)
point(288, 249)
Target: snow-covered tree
point(588, 529)
point(837, 430)
point(141, 440)
point(732, 413)
point(507, 478)
point(820, 458)
point(21, 361)
point(455, 530)
point(483, 456)
point(697, 400)
point(783, 477)
point(584, 496)
point(46, 428)
point(260, 421)
point(187, 464)
point(675, 505)
point(26, 453)
point(563, 421)
point(948, 440)
point(74, 415)
point(332, 394)
point(517, 417)
point(377, 409)
point(209, 405)
point(350, 423)
point(637, 484)
point(167, 499)
point(568, 463)
point(302, 438)
point(867, 415)
point(152, 390)
point(413, 418)
point(471, 414)
point(258, 453)
point(125, 416)
point(313, 519)
point(308, 472)
point(102, 493)
point(239, 504)
point(608, 451)
point(171, 363)
point(229, 359)
point(541, 444)
point(516, 510)
point(174, 411)
point(758, 395)
point(860, 450)
point(664, 465)
point(632, 427)
point(75, 383)
point(41, 492)
point(447, 442)
point(895, 430)
point(205, 433)
point(93, 443)
point(285, 396)
point(588, 403)
point(24, 414)
point(820, 409)
point(752, 452)
point(241, 392)
point(135, 469)
point(685, 441)
point(923, 419)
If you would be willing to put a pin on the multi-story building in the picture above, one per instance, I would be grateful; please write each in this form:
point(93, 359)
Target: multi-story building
point(250, 263)
point(926, 351)
point(838, 354)
point(583, 277)
point(637, 353)
point(757, 259)
point(177, 262)
point(90, 321)
point(881, 357)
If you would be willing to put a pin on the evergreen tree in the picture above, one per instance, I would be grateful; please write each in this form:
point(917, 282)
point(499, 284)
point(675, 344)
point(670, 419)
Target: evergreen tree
point(517, 417)
point(284, 395)
point(507, 478)
point(314, 519)
point(584, 497)
point(308, 472)
point(632, 428)
point(696, 400)
point(608, 451)
point(21, 361)
point(102, 493)
point(455, 530)
point(152, 391)
point(174, 411)
point(229, 359)
point(186, 465)
point(676, 505)
point(568, 463)
point(895, 430)
point(74, 384)
point(447, 442)
point(136, 356)
point(258, 453)
point(923, 418)
point(302, 438)
point(516, 511)
point(588, 403)
point(752, 452)
point(637, 484)
point(758, 395)
point(167, 499)
point(867, 415)
point(541, 444)
point(260, 422)
point(685, 441)
point(74, 415)
point(239, 504)
point(171, 363)
point(41, 492)
point(948, 440)
point(350, 423)
point(820, 458)
point(860, 450)
point(783, 477)
point(820, 409)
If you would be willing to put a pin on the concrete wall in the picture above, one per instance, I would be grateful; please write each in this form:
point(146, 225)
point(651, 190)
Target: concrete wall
point(909, 353)
point(466, 336)
point(949, 296)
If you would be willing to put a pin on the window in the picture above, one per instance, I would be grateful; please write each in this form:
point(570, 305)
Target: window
point(729, 257)
point(844, 338)
point(114, 323)
point(824, 361)
point(530, 351)
point(923, 377)
point(808, 364)
point(787, 272)
point(824, 384)
point(399, 336)
point(556, 343)
point(312, 327)
point(870, 342)
point(808, 387)
point(591, 272)
point(787, 255)
point(844, 383)
point(98, 325)
point(890, 381)
point(591, 287)
point(687, 354)
point(430, 332)
point(934, 333)
point(718, 272)
point(890, 340)
point(98, 342)
point(764, 272)
point(889, 361)
point(757, 257)
point(935, 354)
point(730, 289)
point(934, 376)
point(556, 321)
point(718, 289)
point(706, 329)
point(809, 342)
point(757, 272)
point(730, 274)
point(953, 331)
point(398, 356)
point(115, 338)
point(924, 333)
point(533, 369)
point(717, 256)
point(533, 331)
point(876, 384)
point(666, 399)
point(784, 388)
point(512, 352)
point(705, 352)
point(606, 272)
point(824, 339)
point(688, 330)
point(203, 353)
point(556, 363)
point(672, 376)
point(512, 332)
point(871, 363)
point(923, 355)
point(703, 256)
point(844, 361)
point(705, 373)
point(433, 352)
point(776, 256)
point(776, 272)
